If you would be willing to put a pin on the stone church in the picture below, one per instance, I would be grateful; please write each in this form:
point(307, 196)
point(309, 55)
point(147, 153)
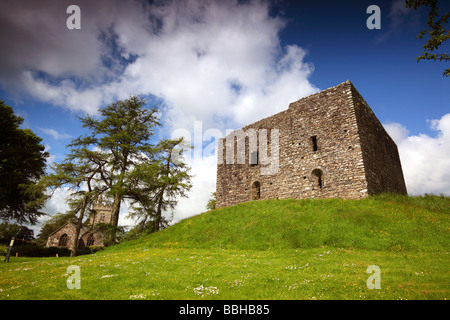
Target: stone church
point(65, 235)
point(327, 145)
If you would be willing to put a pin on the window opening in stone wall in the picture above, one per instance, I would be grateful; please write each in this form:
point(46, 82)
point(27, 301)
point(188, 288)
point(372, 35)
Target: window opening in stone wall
point(314, 142)
point(254, 158)
point(256, 190)
point(90, 241)
point(318, 177)
point(63, 240)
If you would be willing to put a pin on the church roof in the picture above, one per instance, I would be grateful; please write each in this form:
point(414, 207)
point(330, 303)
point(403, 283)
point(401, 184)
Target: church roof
point(83, 230)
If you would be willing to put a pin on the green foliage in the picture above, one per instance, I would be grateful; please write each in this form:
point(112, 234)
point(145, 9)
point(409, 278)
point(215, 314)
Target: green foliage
point(89, 250)
point(123, 135)
point(22, 163)
point(22, 234)
point(119, 159)
point(437, 32)
point(33, 250)
point(211, 205)
point(113, 234)
point(162, 181)
point(7, 231)
point(38, 251)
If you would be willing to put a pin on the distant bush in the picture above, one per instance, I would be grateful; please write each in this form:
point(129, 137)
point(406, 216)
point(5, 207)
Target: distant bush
point(38, 251)
point(7, 241)
point(88, 250)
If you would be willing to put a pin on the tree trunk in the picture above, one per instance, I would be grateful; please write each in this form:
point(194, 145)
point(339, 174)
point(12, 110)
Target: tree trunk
point(115, 217)
point(117, 200)
point(161, 196)
point(78, 228)
point(116, 210)
point(158, 211)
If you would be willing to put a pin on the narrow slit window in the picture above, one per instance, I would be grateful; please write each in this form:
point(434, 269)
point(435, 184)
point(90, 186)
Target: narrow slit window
point(314, 142)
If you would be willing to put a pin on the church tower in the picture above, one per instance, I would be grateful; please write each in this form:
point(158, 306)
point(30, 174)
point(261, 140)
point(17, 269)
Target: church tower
point(102, 212)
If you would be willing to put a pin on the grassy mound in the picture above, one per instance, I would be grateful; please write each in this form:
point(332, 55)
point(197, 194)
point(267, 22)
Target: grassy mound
point(385, 222)
point(274, 249)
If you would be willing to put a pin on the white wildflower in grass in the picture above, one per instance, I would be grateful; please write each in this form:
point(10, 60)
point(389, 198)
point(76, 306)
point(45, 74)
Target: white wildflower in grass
point(293, 287)
point(295, 267)
point(137, 296)
point(238, 283)
point(201, 290)
point(108, 276)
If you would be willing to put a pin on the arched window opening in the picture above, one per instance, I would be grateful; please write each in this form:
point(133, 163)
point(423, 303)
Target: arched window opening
point(318, 177)
point(63, 240)
point(90, 241)
point(256, 190)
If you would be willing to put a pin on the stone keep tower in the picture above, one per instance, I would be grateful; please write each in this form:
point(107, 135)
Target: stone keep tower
point(327, 145)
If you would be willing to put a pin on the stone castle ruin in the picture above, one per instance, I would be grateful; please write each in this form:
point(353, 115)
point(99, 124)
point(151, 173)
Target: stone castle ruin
point(327, 145)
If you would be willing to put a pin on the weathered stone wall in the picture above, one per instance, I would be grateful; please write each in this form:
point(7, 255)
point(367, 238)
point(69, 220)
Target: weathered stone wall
point(381, 159)
point(102, 213)
point(53, 239)
point(330, 165)
point(70, 229)
point(96, 236)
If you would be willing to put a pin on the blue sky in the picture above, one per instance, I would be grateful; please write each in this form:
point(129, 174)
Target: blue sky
point(380, 63)
point(224, 64)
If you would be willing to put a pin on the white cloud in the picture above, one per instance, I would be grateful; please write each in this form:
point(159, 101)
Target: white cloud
point(208, 60)
point(203, 184)
point(55, 134)
point(56, 204)
point(425, 159)
point(220, 62)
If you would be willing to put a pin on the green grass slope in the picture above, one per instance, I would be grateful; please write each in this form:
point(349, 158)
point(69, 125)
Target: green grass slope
point(386, 222)
point(274, 249)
